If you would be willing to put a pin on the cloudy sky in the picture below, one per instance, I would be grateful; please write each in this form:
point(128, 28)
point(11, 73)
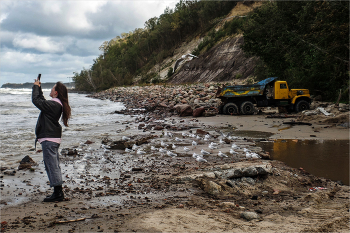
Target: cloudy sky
point(57, 38)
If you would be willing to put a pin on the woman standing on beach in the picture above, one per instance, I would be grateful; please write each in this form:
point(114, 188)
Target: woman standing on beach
point(49, 131)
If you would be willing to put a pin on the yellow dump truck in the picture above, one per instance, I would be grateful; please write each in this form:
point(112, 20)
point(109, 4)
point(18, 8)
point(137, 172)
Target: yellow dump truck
point(241, 99)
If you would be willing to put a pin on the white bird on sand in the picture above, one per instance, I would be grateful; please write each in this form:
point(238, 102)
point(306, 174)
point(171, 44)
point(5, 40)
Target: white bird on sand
point(213, 143)
point(173, 146)
point(140, 152)
point(255, 155)
point(207, 136)
point(199, 138)
point(186, 149)
point(128, 150)
point(212, 147)
point(248, 155)
point(153, 148)
point(169, 134)
point(221, 141)
point(234, 146)
point(161, 150)
point(220, 154)
point(192, 135)
point(245, 150)
point(184, 134)
point(195, 155)
point(194, 143)
point(200, 159)
point(204, 152)
point(232, 152)
point(125, 138)
point(134, 147)
point(171, 154)
point(162, 143)
point(178, 139)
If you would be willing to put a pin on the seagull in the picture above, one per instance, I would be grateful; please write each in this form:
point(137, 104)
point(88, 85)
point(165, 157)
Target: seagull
point(178, 139)
point(195, 155)
point(186, 149)
point(161, 150)
point(104, 146)
point(171, 154)
point(199, 138)
point(134, 147)
point(204, 152)
point(234, 146)
point(220, 154)
point(140, 152)
point(221, 141)
point(128, 150)
point(213, 143)
point(169, 134)
point(192, 135)
point(194, 143)
point(124, 138)
point(248, 155)
point(245, 150)
point(153, 148)
point(200, 159)
point(212, 147)
point(162, 143)
point(184, 134)
point(233, 152)
point(255, 155)
point(173, 146)
point(207, 136)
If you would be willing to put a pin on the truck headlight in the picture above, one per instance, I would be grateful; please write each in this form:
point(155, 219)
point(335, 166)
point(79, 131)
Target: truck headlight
point(300, 93)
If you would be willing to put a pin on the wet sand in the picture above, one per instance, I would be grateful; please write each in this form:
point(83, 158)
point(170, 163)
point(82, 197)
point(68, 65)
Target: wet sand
point(111, 191)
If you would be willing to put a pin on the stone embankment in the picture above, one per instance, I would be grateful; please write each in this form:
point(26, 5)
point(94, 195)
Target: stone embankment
point(166, 100)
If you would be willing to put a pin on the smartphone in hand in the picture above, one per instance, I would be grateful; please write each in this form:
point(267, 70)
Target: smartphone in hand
point(39, 76)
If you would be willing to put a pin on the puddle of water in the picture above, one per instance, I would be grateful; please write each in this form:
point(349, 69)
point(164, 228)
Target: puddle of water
point(323, 158)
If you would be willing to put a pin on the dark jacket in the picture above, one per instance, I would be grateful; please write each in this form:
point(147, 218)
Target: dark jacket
point(47, 125)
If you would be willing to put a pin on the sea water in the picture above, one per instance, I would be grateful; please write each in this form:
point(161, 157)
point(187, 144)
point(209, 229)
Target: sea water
point(18, 117)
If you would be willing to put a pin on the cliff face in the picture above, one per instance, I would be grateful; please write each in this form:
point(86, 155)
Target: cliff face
point(222, 63)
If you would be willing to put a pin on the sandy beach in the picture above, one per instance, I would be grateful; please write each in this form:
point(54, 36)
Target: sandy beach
point(115, 191)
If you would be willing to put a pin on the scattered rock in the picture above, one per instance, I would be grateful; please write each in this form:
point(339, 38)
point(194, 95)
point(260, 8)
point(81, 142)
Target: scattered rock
point(250, 215)
point(26, 163)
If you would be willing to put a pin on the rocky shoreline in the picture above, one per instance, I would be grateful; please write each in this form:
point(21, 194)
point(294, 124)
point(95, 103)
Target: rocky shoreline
point(162, 172)
point(165, 100)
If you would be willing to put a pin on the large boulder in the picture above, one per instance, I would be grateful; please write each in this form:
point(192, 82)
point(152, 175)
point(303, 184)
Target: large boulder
point(198, 112)
point(184, 110)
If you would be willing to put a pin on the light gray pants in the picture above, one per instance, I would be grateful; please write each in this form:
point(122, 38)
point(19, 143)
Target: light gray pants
point(52, 162)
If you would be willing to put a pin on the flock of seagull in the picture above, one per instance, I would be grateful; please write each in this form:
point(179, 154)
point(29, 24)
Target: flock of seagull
point(163, 149)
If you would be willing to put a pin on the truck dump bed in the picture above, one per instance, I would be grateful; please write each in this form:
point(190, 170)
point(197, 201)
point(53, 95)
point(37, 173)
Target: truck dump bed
point(244, 90)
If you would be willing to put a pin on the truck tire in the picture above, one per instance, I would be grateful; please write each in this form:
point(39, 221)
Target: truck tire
point(247, 108)
point(302, 105)
point(231, 109)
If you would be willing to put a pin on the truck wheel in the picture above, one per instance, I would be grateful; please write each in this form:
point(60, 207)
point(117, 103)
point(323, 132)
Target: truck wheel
point(231, 109)
point(247, 108)
point(302, 105)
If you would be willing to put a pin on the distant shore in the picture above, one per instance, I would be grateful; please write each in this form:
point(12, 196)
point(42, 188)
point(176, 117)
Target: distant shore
point(28, 85)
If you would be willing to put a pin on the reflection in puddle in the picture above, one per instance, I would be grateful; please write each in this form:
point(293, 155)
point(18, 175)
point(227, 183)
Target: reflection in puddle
point(324, 158)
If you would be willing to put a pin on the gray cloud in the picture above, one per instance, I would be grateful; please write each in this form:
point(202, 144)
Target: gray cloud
point(58, 38)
